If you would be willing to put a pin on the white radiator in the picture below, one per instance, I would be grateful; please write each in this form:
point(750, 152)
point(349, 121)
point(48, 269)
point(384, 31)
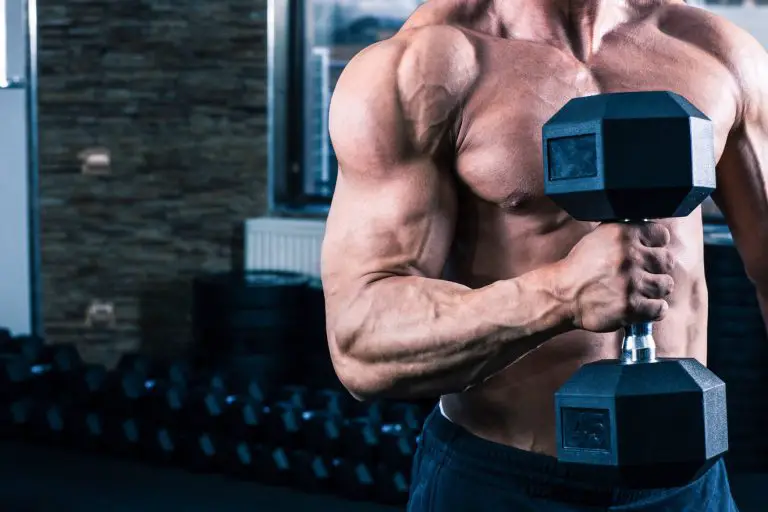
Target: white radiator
point(284, 244)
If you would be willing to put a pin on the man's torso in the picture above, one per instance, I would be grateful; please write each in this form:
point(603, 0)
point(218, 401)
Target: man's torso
point(505, 225)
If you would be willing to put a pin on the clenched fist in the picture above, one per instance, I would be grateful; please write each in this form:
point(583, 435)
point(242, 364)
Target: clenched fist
point(619, 275)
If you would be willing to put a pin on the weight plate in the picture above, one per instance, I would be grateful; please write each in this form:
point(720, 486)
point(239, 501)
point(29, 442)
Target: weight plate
point(247, 319)
point(257, 340)
point(252, 290)
point(268, 370)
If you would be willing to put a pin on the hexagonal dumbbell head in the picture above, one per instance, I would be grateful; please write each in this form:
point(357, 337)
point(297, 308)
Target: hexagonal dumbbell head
point(655, 424)
point(629, 156)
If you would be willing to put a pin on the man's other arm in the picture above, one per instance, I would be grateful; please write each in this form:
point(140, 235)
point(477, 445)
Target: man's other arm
point(742, 179)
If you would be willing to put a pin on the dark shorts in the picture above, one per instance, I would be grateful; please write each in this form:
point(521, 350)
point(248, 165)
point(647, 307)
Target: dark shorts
point(455, 471)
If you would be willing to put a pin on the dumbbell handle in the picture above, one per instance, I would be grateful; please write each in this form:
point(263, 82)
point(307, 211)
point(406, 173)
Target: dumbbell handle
point(638, 345)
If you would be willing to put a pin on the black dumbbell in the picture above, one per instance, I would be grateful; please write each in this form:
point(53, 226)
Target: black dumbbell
point(209, 453)
point(253, 387)
point(295, 396)
point(171, 445)
point(134, 438)
point(321, 433)
point(52, 370)
point(26, 346)
point(370, 441)
point(625, 181)
point(360, 439)
point(340, 403)
point(315, 421)
point(353, 480)
point(135, 363)
point(86, 429)
point(397, 447)
point(310, 472)
point(409, 416)
point(176, 371)
point(269, 465)
point(114, 434)
point(232, 457)
point(15, 417)
point(61, 414)
point(392, 487)
point(283, 425)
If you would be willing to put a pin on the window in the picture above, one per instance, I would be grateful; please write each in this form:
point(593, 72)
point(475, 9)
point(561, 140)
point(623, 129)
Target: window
point(311, 42)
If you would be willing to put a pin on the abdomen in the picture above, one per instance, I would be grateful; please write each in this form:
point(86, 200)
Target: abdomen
point(516, 407)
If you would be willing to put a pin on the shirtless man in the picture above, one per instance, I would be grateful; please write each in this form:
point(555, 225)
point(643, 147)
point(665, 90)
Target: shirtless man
point(446, 270)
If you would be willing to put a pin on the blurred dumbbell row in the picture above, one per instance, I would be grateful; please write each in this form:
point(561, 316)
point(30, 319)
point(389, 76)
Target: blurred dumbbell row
point(318, 440)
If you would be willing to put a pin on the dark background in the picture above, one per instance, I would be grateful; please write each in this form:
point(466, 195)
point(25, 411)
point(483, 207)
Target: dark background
point(176, 91)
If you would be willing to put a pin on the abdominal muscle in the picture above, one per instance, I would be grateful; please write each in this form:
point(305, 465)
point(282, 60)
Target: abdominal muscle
point(516, 406)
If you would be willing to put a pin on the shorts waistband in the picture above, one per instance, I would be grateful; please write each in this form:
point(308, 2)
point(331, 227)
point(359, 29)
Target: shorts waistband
point(539, 475)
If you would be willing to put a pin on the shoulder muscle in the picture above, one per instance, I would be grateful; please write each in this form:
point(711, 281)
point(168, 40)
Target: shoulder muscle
point(395, 98)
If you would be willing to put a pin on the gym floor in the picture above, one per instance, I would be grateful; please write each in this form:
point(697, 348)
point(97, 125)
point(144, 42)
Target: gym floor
point(41, 479)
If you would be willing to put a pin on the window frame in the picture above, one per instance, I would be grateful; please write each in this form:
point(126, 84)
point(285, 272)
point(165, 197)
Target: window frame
point(286, 45)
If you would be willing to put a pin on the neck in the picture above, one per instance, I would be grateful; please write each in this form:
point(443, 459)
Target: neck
point(576, 26)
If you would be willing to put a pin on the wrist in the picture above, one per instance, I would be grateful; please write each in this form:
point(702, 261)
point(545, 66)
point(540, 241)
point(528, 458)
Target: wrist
point(553, 296)
point(561, 284)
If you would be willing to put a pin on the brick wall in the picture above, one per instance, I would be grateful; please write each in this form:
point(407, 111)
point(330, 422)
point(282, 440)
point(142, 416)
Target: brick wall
point(176, 91)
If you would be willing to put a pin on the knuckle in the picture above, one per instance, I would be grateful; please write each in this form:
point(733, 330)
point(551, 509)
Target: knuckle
point(631, 283)
point(632, 257)
point(625, 234)
point(669, 261)
point(670, 284)
point(664, 261)
point(633, 304)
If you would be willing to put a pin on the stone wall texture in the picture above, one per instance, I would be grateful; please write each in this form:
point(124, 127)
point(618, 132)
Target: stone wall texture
point(176, 92)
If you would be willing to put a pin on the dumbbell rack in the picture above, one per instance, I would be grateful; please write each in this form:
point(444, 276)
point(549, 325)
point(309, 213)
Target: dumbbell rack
point(168, 413)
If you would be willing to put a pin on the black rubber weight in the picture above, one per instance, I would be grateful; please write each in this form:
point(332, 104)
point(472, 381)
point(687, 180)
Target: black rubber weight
point(235, 320)
point(252, 290)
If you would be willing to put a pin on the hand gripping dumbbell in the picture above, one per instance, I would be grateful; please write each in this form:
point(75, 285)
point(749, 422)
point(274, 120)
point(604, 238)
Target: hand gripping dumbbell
point(632, 157)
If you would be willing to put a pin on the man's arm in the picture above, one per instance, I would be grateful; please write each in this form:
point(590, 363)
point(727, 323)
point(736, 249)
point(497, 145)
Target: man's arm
point(742, 179)
point(394, 327)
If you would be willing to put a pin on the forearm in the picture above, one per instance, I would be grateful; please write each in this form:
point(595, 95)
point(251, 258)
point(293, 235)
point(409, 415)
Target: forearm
point(412, 336)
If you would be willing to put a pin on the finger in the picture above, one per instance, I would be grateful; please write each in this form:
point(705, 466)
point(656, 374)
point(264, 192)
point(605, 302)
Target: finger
point(649, 310)
point(656, 260)
point(654, 234)
point(655, 286)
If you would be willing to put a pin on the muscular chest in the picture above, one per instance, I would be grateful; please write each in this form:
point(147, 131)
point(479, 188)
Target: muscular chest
point(524, 84)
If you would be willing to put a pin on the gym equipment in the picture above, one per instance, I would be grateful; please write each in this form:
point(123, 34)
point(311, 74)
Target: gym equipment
point(26, 346)
point(354, 480)
point(629, 157)
point(47, 367)
point(316, 366)
point(250, 317)
point(738, 350)
point(164, 413)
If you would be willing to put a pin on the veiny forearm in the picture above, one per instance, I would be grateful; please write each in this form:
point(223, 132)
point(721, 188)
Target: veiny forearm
point(412, 336)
